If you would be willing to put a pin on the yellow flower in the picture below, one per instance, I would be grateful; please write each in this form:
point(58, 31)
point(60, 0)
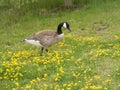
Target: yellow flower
point(1, 70)
point(75, 84)
point(0, 52)
point(107, 81)
point(45, 85)
point(38, 79)
point(45, 75)
point(68, 88)
point(16, 55)
point(108, 75)
point(56, 79)
point(13, 89)
point(28, 86)
point(61, 70)
point(97, 77)
point(0, 77)
point(9, 53)
point(64, 85)
point(105, 88)
point(96, 87)
point(17, 84)
point(116, 37)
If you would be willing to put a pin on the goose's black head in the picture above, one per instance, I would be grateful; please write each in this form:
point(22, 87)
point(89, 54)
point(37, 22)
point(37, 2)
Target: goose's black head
point(65, 25)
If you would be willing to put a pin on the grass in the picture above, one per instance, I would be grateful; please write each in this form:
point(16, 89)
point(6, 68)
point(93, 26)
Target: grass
point(87, 58)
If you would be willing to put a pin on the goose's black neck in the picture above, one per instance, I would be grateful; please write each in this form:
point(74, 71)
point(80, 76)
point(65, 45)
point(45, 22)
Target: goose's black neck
point(59, 31)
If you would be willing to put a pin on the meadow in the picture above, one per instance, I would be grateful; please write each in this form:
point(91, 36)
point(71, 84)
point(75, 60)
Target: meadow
point(87, 59)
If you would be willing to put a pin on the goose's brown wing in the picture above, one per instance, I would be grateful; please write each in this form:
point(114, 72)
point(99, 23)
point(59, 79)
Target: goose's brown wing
point(42, 34)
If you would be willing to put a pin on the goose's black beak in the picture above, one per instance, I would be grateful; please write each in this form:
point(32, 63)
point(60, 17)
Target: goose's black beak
point(69, 29)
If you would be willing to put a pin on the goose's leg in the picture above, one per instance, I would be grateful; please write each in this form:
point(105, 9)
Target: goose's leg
point(41, 51)
point(46, 50)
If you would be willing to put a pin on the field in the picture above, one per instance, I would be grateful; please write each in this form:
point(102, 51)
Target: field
point(87, 59)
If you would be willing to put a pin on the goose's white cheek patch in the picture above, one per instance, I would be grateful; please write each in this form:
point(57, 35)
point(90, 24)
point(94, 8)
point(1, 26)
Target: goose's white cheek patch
point(33, 42)
point(64, 25)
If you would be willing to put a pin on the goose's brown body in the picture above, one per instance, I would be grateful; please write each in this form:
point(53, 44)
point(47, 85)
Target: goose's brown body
point(47, 38)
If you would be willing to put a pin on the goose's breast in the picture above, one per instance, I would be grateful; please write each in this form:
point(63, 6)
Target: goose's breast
point(58, 38)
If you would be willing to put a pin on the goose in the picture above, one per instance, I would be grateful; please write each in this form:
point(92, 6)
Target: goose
point(46, 38)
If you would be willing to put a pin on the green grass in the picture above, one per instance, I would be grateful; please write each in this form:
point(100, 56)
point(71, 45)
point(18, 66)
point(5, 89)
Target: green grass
point(87, 58)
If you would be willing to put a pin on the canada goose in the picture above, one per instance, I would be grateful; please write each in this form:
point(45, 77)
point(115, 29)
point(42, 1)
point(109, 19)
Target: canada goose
point(47, 38)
